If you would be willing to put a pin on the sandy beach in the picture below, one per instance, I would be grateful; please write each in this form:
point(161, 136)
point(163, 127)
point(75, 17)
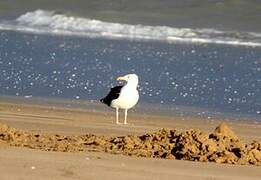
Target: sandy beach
point(26, 163)
point(197, 115)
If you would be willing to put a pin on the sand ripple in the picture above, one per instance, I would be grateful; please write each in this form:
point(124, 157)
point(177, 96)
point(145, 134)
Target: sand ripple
point(221, 146)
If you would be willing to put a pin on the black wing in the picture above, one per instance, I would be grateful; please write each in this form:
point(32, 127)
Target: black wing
point(113, 94)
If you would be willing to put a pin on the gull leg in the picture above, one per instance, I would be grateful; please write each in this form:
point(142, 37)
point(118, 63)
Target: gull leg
point(117, 116)
point(125, 116)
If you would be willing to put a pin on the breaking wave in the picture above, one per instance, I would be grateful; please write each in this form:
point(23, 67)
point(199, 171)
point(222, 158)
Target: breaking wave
point(41, 21)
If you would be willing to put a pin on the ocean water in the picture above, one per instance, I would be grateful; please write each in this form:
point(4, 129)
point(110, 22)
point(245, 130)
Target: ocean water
point(55, 51)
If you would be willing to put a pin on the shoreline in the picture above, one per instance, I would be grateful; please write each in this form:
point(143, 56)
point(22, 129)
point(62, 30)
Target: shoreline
point(146, 109)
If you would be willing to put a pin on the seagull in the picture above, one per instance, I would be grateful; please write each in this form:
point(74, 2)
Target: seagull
point(123, 97)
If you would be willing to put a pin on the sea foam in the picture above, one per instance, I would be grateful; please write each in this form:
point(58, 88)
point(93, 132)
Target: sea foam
point(49, 22)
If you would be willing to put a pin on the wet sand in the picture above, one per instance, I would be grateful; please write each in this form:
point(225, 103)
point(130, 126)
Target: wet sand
point(36, 164)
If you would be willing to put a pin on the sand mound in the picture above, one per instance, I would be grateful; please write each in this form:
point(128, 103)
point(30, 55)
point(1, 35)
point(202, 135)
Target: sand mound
point(221, 146)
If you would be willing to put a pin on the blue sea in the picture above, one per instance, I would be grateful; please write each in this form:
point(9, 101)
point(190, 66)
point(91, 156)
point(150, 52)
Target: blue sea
point(192, 57)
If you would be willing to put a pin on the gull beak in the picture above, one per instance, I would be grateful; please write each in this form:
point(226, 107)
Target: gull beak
point(120, 78)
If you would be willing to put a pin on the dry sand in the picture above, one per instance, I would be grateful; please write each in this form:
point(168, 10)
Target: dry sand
point(25, 163)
